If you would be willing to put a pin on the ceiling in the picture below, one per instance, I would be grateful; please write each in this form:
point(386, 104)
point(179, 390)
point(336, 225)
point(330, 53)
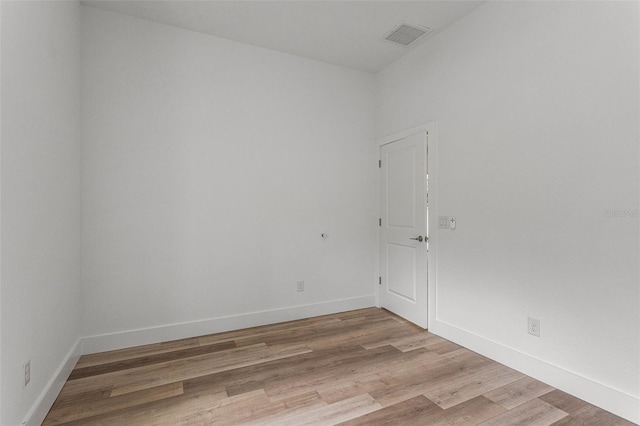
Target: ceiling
point(346, 33)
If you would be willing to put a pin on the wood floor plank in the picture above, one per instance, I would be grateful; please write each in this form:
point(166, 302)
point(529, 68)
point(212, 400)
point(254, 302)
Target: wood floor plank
point(345, 389)
point(518, 392)
point(289, 409)
point(385, 364)
point(428, 368)
point(360, 363)
point(136, 352)
point(159, 374)
point(252, 377)
point(69, 399)
point(444, 347)
point(290, 370)
point(594, 416)
point(69, 413)
point(304, 400)
point(532, 413)
point(303, 369)
point(404, 383)
point(407, 342)
point(468, 386)
point(157, 413)
point(266, 330)
point(421, 411)
point(367, 314)
point(330, 414)
point(347, 332)
point(235, 410)
point(567, 403)
point(468, 413)
point(414, 411)
point(568, 421)
point(150, 376)
point(79, 373)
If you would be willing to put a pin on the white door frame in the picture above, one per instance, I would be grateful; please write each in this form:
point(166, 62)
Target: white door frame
point(432, 158)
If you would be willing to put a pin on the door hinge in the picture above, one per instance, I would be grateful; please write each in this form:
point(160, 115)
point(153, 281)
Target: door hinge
point(379, 280)
point(379, 221)
point(379, 164)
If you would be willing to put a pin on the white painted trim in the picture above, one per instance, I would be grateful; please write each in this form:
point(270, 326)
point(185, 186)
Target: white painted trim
point(432, 156)
point(426, 127)
point(432, 129)
point(145, 336)
point(0, 215)
point(43, 404)
point(613, 400)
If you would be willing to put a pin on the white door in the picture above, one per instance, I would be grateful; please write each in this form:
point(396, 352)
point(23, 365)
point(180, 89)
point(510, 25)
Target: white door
point(403, 225)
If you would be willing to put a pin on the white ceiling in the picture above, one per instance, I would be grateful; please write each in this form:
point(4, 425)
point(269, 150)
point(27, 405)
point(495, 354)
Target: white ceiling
point(347, 33)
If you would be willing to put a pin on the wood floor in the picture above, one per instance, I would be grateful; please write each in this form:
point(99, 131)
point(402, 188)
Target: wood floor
point(365, 367)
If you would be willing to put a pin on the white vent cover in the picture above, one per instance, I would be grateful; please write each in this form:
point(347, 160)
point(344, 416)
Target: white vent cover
point(405, 34)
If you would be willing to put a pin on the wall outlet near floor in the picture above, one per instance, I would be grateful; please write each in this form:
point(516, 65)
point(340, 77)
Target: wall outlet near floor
point(300, 285)
point(533, 326)
point(27, 373)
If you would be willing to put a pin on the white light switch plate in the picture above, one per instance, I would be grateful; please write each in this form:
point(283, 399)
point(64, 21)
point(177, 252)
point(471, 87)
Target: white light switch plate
point(443, 222)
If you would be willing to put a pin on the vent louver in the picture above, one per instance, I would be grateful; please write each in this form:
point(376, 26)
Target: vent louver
point(406, 34)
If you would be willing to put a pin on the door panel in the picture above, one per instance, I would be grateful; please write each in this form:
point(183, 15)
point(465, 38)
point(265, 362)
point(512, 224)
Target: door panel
point(401, 188)
point(403, 258)
point(401, 271)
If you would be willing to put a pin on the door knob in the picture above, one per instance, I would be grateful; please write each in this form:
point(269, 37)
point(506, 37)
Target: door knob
point(419, 239)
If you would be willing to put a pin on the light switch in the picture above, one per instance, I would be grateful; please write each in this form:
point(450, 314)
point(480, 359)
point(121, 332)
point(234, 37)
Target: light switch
point(443, 222)
point(446, 222)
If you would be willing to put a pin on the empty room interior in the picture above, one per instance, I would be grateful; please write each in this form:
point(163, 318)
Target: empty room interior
point(237, 187)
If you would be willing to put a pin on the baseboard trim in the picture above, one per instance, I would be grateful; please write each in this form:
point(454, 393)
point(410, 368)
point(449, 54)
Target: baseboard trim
point(613, 400)
point(145, 336)
point(51, 391)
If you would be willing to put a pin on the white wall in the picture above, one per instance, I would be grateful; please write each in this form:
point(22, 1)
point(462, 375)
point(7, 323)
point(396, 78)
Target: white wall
point(536, 105)
point(210, 170)
point(40, 189)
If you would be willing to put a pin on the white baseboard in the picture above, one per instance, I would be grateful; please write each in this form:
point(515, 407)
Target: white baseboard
point(49, 394)
point(145, 336)
point(610, 399)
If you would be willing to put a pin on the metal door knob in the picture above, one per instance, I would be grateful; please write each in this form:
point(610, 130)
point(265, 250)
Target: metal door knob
point(419, 239)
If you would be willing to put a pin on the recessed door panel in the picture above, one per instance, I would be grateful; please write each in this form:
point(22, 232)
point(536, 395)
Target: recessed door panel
point(401, 271)
point(401, 205)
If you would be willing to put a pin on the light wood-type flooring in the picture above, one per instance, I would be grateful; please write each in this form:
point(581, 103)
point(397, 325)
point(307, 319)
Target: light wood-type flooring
point(364, 367)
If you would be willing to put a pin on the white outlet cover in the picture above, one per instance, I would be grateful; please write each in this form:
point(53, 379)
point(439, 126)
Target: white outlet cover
point(533, 326)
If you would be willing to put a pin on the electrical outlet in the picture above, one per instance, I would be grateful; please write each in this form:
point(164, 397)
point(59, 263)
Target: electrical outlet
point(300, 285)
point(27, 372)
point(533, 326)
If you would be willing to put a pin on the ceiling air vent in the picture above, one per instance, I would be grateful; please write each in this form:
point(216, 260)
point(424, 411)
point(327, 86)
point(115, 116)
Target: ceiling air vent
point(406, 34)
